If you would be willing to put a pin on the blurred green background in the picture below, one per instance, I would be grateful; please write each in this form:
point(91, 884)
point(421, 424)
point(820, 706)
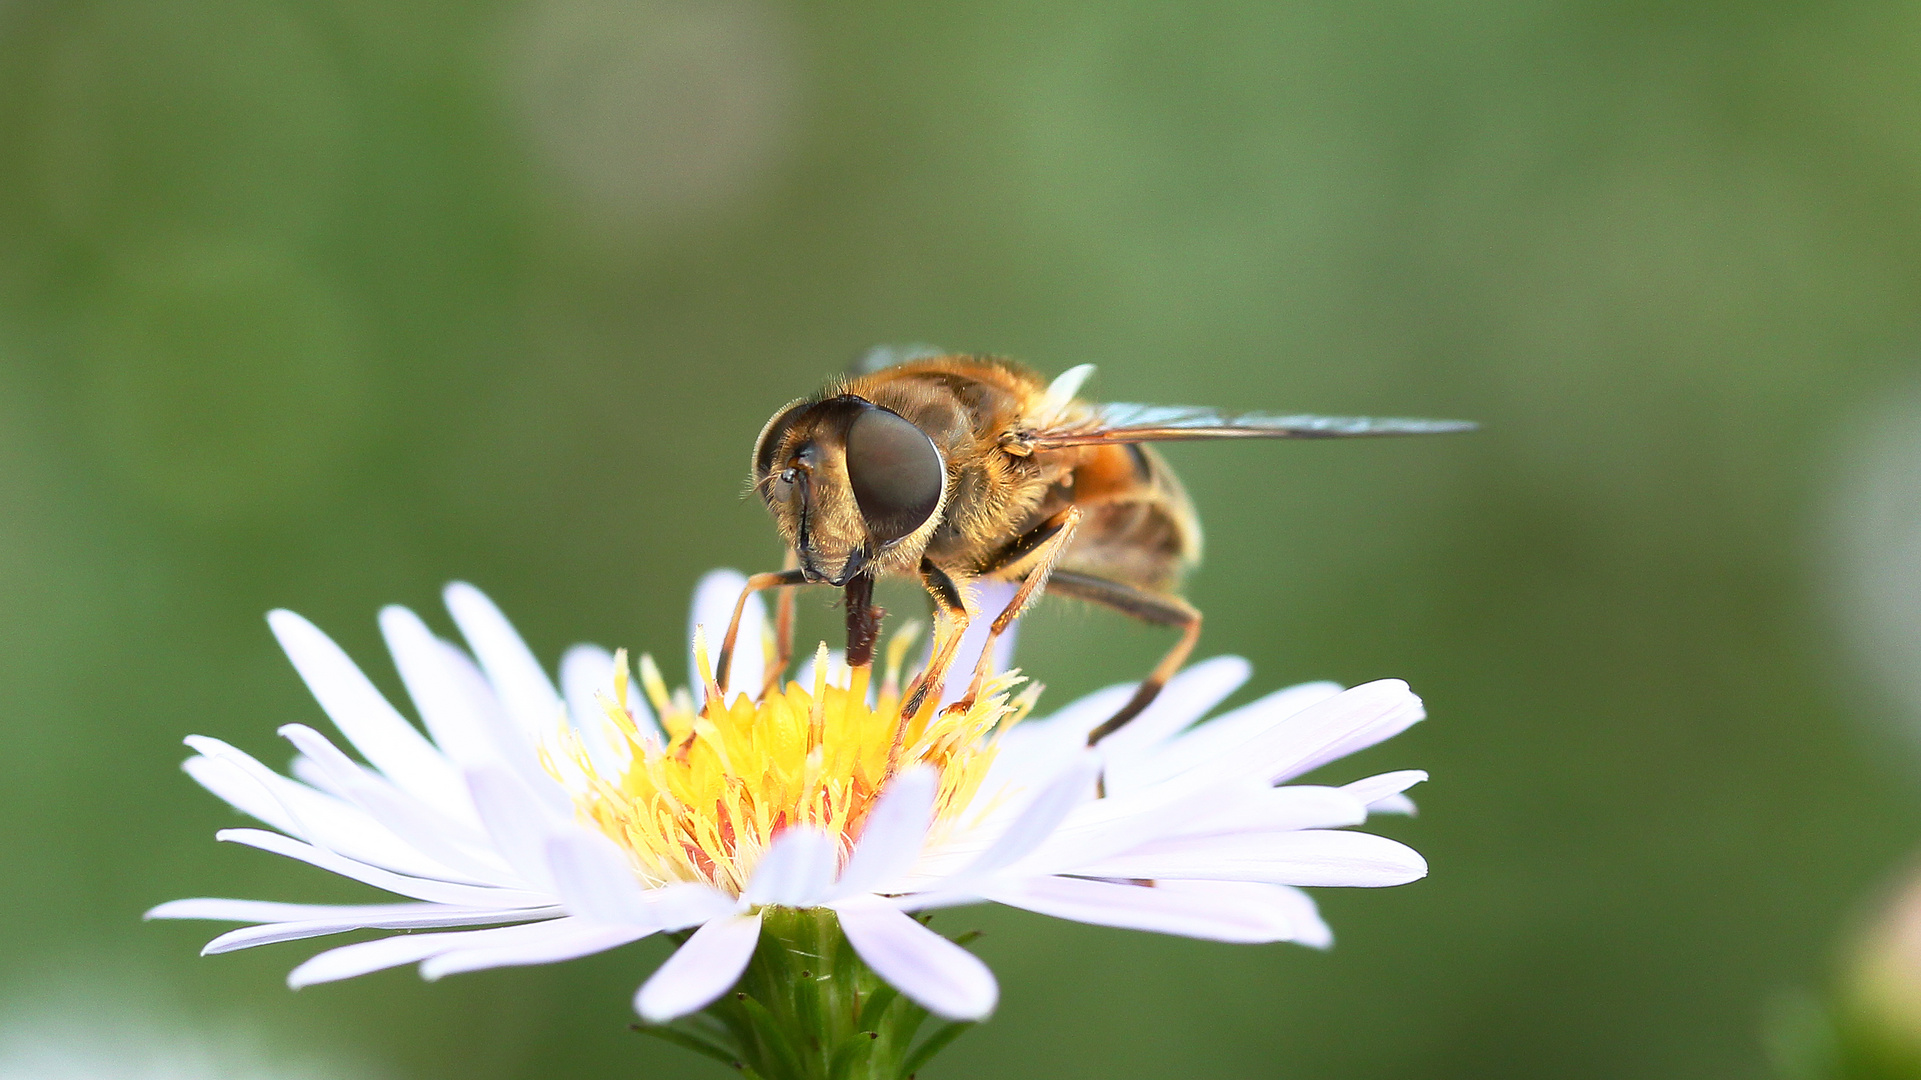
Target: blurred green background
point(322, 303)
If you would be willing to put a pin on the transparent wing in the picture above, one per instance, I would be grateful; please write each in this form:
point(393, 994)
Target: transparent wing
point(1125, 423)
point(881, 357)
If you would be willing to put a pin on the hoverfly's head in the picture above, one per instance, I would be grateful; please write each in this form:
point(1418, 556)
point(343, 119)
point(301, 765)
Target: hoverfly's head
point(849, 483)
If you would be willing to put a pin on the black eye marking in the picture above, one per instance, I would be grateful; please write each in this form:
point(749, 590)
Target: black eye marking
point(895, 471)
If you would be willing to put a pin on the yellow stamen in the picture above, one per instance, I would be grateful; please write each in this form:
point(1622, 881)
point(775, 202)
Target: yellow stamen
point(730, 778)
point(655, 686)
point(702, 667)
point(897, 647)
point(769, 646)
point(817, 716)
point(620, 678)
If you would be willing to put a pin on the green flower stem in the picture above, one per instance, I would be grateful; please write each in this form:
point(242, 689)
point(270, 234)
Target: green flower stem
point(807, 1008)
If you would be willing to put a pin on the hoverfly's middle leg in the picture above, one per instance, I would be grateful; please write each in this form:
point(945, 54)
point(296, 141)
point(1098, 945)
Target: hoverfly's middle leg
point(948, 632)
point(1043, 544)
point(776, 580)
point(1156, 608)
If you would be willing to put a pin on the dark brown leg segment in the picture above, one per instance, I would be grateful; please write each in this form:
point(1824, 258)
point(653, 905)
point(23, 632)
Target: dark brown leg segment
point(1156, 608)
point(863, 620)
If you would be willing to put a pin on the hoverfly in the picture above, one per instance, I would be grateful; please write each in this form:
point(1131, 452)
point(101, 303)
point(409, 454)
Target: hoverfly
point(954, 469)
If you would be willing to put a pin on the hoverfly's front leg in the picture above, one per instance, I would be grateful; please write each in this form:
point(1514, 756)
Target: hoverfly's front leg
point(783, 629)
point(1156, 608)
point(1043, 545)
point(777, 580)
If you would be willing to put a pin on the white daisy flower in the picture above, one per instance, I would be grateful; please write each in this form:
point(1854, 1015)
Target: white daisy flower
point(552, 823)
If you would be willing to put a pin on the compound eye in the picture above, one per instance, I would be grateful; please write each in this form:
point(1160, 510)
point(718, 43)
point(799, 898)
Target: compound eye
point(895, 471)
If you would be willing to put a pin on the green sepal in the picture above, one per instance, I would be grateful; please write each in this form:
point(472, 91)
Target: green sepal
point(687, 1040)
point(808, 1008)
point(877, 1003)
point(933, 1044)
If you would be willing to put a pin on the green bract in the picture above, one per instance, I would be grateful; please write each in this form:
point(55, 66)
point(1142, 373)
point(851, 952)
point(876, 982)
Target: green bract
point(807, 1008)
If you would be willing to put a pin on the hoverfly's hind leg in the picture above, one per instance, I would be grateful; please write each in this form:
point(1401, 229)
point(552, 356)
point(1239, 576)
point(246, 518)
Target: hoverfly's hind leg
point(1043, 544)
point(951, 619)
point(1156, 608)
point(776, 580)
point(783, 630)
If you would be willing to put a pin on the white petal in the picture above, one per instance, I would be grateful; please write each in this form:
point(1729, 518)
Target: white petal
point(890, 842)
point(1296, 806)
point(438, 892)
point(1392, 804)
point(935, 973)
point(586, 674)
point(516, 821)
point(1083, 714)
point(676, 907)
point(1222, 735)
point(796, 870)
point(1382, 794)
point(1038, 820)
point(1106, 827)
point(520, 756)
point(1317, 734)
point(470, 728)
point(701, 970)
point(1293, 904)
point(1350, 721)
point(423, 916)
point(1061, 392)
point(264, 911)
point(365, 957)
point(1307, 857)
point(714, 600)
point(1101, 827)
point(990, 597)
point(1036, 750)
point(304, 769)
point(518, 679)
point(320, 819)
point(1236, 917)
point(1309, 930)
point(1186, 698)
point(380, 733)
point(368, 956)
point(587, 678)
point(585, 939)
point(451, 843)
point(240, 790)
point(593, 878)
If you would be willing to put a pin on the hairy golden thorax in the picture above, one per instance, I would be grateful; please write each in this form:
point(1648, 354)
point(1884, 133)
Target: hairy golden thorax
point(976, 411)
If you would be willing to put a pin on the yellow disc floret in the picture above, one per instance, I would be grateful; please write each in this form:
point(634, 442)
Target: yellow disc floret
point(704, 805)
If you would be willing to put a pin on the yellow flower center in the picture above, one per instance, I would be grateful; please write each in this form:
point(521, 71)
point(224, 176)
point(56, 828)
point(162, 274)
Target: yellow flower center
point(731, 776)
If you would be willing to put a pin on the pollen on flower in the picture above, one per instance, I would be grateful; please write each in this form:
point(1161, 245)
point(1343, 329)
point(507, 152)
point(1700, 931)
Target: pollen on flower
point(733, 774)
